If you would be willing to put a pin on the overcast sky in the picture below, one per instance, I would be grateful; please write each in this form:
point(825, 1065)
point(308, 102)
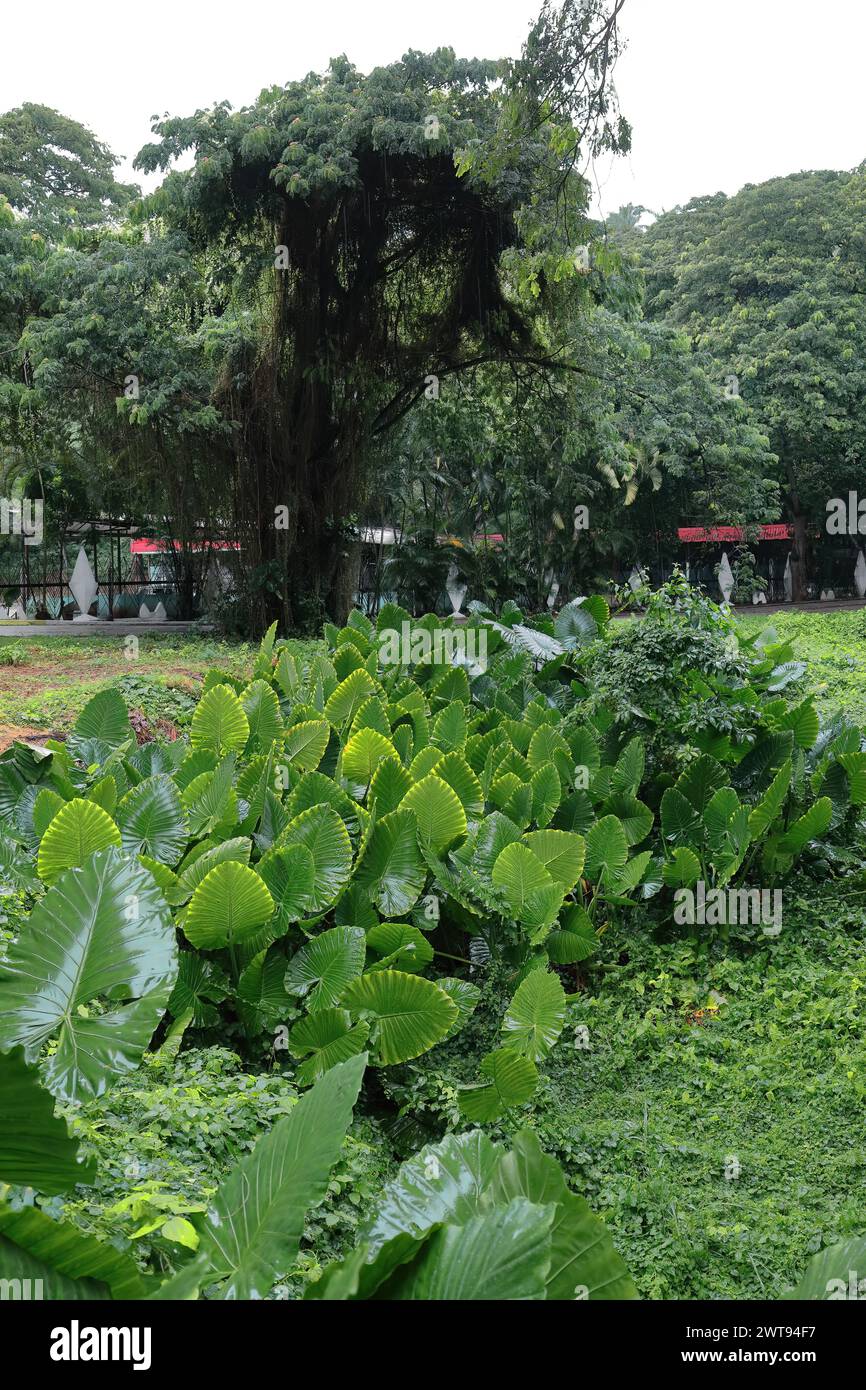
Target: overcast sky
point(719, 92)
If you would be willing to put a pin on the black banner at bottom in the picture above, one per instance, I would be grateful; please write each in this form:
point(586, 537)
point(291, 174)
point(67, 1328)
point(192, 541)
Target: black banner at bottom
point(84, 1340)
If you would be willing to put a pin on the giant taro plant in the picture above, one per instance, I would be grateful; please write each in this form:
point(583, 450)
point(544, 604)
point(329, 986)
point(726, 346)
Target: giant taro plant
point(314, 861)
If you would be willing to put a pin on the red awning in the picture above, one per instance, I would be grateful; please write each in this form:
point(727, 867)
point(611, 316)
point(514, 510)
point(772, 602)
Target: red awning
point(777, 531)
point(148, 547)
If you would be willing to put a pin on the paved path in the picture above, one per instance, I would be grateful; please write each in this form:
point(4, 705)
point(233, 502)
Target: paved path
point(120, 627)
point(807, 606)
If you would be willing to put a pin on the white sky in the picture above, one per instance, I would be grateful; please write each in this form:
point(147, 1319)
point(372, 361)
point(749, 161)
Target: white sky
point(719, 92)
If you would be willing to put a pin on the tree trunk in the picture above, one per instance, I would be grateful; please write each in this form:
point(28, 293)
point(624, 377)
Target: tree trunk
point(798, 560)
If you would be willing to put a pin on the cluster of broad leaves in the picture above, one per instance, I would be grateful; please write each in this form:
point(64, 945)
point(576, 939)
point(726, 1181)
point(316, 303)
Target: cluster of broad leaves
point(328, 836)
point(316, 853)
point(461, 1220)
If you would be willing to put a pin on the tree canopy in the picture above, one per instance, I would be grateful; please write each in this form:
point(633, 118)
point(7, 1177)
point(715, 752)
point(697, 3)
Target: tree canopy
point(771, 284)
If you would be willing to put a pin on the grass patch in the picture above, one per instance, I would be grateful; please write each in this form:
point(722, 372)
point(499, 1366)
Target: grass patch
point(724, 1145)
point(45, 682)
point(834, 645)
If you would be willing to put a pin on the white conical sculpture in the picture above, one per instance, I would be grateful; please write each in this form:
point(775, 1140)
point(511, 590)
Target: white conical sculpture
point(552, 593)
point(860, 575)
point(635, 580)
point(726, 577)
point(455, 590)
point(788, 581)
point(84, 587)
point(158, 615)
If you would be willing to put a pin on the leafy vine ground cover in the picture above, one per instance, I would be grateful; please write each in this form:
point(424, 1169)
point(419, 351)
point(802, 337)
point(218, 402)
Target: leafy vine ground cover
point(362, 861)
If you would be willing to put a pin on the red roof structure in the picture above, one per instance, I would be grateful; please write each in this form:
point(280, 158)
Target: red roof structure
point(776, 531)
point(152, 547)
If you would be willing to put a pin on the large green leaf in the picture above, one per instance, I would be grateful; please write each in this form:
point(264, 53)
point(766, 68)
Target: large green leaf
point(576, 622)
point(629, 770)
point(803, 722)
point(304, 744)
point(35, 1147)
point(440, 816)
point(261, 989)
point(290, 875)
point(321, 970)
point(814, 823)
point(765, 758)
point(209, 799)
point(199, 987)
point(700, 780)
point(534, 1018)
point(606, 850)
point(449, 727)
point(855, 766)
point(398, 946)
point(106, 718)
point(219, 724)
point(839, 1272)
point(501, 1255)
point(262, 709)
point(584, 1262)
point(256, 1220)
point(199, 862)
point(408, 1014)
point(444, 1182)
point(683, 869)
point(455, 770)
point(17, 868)
point(102, 931)
point(329, 1037)
point(152, 821)
point(451, 1185)
point(323, 833)
point(681, 822)
point(390, 784)
point(510, 1079)
point(227, 907)
point(493, 834)
point(768, 809)
point(362, 755)
point(717, 813)
point(561, 853)
point(69, 1264)
point(533, 895)
point(350, 694)
point(546, 794)
point(634, 816)
point(79, 828)
point(393, 871)
point(575, 939)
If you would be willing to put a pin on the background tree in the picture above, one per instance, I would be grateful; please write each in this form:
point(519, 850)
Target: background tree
point(54, 170)
point(357, 227)
point(771, 284)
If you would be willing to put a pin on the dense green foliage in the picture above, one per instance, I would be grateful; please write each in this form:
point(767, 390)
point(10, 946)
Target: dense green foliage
point(516, 958)
point(770, 284)
point(299, 877)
